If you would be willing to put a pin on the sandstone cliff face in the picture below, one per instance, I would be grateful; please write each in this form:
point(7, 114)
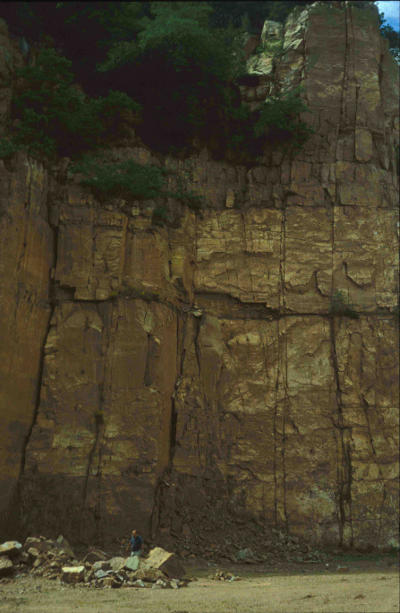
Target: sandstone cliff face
point(166, 377)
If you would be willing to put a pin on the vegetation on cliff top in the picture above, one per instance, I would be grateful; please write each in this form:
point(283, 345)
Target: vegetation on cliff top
point(109, 177)
point(55, 117)
point(169, 68)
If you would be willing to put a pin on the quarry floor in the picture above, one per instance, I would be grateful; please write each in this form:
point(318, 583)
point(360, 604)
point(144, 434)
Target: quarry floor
point(364, 584)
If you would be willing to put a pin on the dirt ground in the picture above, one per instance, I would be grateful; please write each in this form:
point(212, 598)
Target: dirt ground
point(347, 584)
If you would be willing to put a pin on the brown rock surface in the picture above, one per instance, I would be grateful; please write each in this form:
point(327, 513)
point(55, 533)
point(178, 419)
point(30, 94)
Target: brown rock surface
point(72, 574)
point(6, 566)
point(181, 379)
point(164, 561)
point(10, 548)
point(26, 257)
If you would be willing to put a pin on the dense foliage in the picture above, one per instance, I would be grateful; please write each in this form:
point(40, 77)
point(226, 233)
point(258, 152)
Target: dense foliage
point(279, 120)
point(107, 177)
point(55, 116)
point(180, 68)
point(170, 67)
point(120, 179)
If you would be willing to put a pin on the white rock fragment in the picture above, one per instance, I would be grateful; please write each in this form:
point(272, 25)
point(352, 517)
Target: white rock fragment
point(72, 574)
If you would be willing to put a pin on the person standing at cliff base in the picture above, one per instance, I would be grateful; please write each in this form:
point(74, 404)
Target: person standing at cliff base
point(135, 544)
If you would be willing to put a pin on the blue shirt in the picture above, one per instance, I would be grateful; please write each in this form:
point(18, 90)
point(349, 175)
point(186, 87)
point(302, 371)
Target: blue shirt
point(136, 543)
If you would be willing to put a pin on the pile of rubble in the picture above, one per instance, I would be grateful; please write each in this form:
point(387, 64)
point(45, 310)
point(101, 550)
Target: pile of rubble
point(222, 575)
point(251, 544)
point(43, 557)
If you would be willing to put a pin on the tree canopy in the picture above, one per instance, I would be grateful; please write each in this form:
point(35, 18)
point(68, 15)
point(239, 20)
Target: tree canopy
point(179, 62)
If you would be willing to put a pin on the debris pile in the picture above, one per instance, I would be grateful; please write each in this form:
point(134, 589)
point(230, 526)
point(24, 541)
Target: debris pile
point(222, 575)
point(55, 559)
point(251, 544)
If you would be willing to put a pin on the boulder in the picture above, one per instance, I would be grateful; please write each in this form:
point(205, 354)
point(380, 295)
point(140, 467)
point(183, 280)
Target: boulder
point(132, 563)
point(102, 565)
point(101, 574)
point(165, 561)
point(151, 575)
point(6, 566)
point(117, 563)
point(32, 541)
point(72, 574)
point(33, 552)
point(65, 546)
point(95, 555)
point(10, 548)
point(117, 582)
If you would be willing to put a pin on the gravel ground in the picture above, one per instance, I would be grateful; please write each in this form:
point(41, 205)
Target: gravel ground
point(357, 585)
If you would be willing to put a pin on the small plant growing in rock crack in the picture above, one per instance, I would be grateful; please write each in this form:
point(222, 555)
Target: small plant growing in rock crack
point(186, 196)
point(131, 179)
point(339, 306)
point(126, 178)
point(99, 417)
point(271, 48)
point(160, 216)
point(279, 121)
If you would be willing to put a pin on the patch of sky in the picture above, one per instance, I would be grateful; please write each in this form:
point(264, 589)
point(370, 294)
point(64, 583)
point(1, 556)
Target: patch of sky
point(391, 11)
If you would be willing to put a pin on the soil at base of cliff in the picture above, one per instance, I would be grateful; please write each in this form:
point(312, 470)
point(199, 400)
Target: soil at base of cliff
point(349, 584)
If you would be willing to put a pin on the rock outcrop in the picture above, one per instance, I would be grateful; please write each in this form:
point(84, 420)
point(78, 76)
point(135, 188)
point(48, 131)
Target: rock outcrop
point(169, 378)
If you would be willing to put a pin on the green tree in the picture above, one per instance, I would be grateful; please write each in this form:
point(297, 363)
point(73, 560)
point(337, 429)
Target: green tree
point(55, 116)
point(192, 64)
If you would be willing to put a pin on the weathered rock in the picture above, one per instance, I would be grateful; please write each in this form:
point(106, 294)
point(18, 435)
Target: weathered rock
point(73, 574)
point(95, 555)
point(11, 549)
point(249, 396)
point(100, 574)
point(245, 555)
point(6, 566)
point(102, 565)
point(32, 541)
point(117, 563)
point(166, 562)
point(117, 582)
point(65, 546)
point(150, 575)
point(132, 563)
point(34, 553)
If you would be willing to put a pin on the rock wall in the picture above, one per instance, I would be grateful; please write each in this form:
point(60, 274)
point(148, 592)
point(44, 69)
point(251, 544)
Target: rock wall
point(175, 377)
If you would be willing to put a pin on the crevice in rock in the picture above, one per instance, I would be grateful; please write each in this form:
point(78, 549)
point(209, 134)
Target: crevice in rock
point(163, 479)
point(99, 424)
point(196, 344)
point(344, 468)
point(99, 428)
point(181, 351)
point(283, 359)
point(40, 374)
point(149, 354)
point(225, 306)
point(35, 414)
point(344, 464)
point(364, 405)
point(275, 435)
